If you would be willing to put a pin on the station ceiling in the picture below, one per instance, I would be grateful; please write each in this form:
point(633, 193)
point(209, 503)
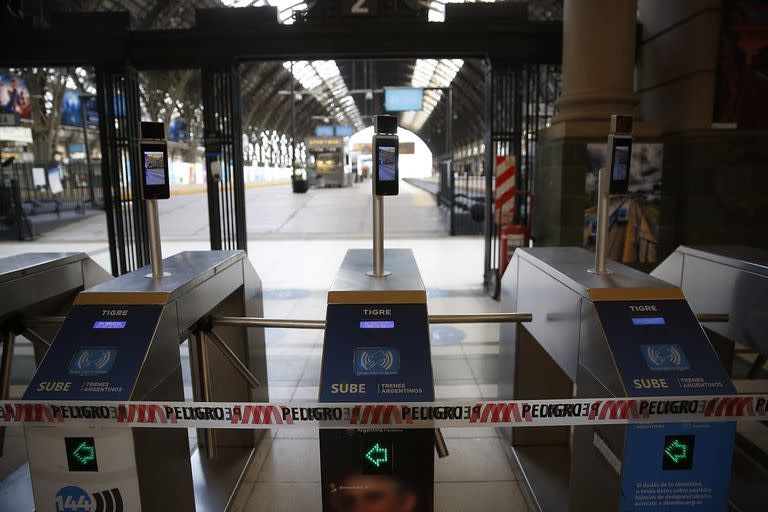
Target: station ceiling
point(338, 88)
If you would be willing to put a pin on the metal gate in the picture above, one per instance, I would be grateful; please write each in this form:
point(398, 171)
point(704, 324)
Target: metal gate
point(224, 157)
point(519, 101)
point(119, 127)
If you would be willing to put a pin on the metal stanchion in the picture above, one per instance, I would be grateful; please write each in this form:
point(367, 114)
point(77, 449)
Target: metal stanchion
point(155, 250)
point(603, 204)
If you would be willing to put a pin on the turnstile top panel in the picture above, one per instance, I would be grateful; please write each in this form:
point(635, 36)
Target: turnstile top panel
point(19, 265)
point(738, 256)
point(569, 265)
point(353, 286)
point(188, 269)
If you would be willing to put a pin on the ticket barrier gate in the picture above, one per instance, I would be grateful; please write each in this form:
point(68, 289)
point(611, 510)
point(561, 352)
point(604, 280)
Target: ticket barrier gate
point(34, 285)
point(734, 280)
point(731, 279)
point(377, 350)
point(120, 342)
point(623, 334)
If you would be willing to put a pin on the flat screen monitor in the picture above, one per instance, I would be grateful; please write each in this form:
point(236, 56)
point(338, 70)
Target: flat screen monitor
point(386, 165)
point(401, 99)
point(154, 171)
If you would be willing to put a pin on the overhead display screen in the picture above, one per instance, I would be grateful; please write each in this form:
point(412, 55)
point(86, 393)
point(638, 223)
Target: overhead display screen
point(93, 361)
point(401, 99)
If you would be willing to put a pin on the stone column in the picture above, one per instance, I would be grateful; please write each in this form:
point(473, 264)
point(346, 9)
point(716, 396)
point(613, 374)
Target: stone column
point(598, 66)
point(597, 81)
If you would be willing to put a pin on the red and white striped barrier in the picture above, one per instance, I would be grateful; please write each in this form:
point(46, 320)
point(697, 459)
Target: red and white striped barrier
point(511, 413)
point(505, 189)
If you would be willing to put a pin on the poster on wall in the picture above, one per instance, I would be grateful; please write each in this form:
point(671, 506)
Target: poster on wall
point(14, 96)
point(633, 219)
point(72, 112)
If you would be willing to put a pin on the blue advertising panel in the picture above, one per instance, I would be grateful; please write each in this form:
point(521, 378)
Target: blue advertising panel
point(373, 359)
point(72, 112)
point(661, 350)
point(97, 354)
point(400, 99)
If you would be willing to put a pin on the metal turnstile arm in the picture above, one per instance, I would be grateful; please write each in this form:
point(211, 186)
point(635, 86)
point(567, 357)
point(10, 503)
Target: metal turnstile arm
point(235, 361)
point(286, 323)
point(36, 338)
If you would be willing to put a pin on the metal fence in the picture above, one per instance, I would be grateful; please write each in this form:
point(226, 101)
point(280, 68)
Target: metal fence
point(462, 191)
point(28, 190)
point(521, 103)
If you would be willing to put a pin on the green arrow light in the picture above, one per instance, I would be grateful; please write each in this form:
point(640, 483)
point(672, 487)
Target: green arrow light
point(377, 455)
point(84, 453)
point(676, 451)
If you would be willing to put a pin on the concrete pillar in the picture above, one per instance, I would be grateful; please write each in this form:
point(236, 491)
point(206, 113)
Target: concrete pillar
point(598, 80)
point(598, 60)
point(598, 68)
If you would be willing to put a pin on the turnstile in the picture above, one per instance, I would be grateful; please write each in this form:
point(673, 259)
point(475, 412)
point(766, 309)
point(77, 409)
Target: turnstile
point(726, 279)
point(34, 285)
point(733, 280)
point(620, 335)
point(376, 349)
point(40, 284)
point(120, 341)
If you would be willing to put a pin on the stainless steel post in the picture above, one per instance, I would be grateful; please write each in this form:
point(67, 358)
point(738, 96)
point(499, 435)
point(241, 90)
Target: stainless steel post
point(155, 251)
point(378, 237)
point(8, 339)
point(603, 204)
point(209, 435)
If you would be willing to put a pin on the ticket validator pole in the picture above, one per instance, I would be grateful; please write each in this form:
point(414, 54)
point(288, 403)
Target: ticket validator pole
point(613, 179)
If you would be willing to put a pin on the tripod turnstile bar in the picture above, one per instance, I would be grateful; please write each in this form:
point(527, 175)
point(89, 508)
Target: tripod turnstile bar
point(233, 359)
point(201, 355)
point(36, 338)
point(481, 318)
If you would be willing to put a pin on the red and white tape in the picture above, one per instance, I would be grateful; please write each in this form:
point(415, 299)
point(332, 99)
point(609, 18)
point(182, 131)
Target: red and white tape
point(511, 413)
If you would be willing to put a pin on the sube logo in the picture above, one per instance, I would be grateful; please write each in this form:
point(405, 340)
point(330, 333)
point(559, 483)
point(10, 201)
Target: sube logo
point(75, 499)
